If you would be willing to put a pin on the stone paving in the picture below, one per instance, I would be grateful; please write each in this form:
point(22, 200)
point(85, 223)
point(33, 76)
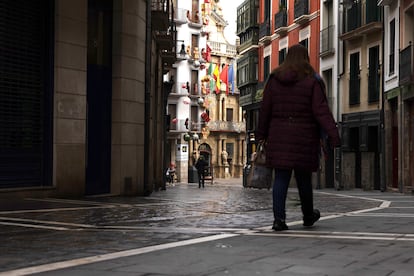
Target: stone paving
point(45, 231)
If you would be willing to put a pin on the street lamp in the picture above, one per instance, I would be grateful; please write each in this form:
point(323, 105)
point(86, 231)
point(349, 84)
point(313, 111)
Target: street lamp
point(348, 3)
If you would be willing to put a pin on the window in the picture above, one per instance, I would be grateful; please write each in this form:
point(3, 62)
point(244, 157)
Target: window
point(354, 81)
point(247, 70)
point(266, 67)
point(305, 43)
point(373, 75)
point(283, 3)
point(172, 112)
point(194, 44)
point(282, 55)
point(373, 12)
point(242, 74)
point(229, 114)
point(392, 48)
point(194, 118)
point(194, 13)
point(194, 82)
point(230, 150)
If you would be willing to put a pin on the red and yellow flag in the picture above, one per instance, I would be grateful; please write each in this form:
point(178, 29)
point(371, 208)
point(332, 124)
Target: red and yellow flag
point(216, 75)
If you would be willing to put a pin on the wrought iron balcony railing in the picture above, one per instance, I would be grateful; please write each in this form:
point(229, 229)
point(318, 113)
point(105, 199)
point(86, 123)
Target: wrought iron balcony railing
point(160, 13)
point(406, 73)
point(264, 29)
point(281, 19)
point(361, 14)
point(301, 8)
point(327, 41)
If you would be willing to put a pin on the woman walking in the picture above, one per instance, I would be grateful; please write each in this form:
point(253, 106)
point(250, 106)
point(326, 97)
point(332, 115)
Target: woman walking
point(293, 113)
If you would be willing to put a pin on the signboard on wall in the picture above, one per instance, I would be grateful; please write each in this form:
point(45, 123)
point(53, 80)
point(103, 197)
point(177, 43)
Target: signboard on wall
point(182, 152)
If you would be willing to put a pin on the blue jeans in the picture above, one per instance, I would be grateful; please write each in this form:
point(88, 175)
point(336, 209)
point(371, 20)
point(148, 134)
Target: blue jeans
point(280, 188)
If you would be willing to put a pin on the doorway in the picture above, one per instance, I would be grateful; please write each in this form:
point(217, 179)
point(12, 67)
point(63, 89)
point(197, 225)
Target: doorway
point(99, 97)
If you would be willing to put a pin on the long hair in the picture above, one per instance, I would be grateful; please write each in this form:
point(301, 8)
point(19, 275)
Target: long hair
point(297, 61)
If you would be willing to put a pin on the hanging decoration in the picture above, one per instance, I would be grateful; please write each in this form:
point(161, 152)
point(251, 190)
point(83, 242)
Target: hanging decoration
point(200, 101)
point(187, 137)
point(205, 117)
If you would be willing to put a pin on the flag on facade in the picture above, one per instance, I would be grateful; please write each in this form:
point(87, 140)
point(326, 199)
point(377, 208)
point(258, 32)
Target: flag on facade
point(231, 78)
point(211, 82)
point(224, 75)
point(212, 85)
point(210, 70)
point(216, 75)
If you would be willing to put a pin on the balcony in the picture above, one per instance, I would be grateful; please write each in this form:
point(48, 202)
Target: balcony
point(264, 32)
point(180, 16)
point(248, 39)
point(160, 13)
point(166, 42)
point(406, 66)
point(178, 125)
point(181, 53)
point(225, 126)
point(327, 41)
point(247, 94)
point(361, 20)
point(247, 16)
point(194, 20)
point(281, 27)
point(165, 39)
point(224, 49)
point(301, 12)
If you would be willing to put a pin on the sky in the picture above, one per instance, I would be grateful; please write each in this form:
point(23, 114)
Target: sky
point(230, 15)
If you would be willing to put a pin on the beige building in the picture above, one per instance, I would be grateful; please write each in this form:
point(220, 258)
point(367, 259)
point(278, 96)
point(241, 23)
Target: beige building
point(84, 111)
point(361, 102)
point(205, 119)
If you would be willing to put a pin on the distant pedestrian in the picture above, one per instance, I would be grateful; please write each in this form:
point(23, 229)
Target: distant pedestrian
point(201, 166)
point(170, 173)
point(292, 115)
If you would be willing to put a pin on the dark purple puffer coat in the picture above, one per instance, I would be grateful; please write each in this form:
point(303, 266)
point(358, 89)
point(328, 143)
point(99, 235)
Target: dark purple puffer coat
point(291, 116)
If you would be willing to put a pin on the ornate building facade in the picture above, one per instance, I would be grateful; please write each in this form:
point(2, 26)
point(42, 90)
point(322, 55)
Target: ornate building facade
point(203, 110)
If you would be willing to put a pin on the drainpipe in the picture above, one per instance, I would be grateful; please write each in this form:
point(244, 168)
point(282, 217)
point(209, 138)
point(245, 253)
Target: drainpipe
point(148, 49)
point(340, 72)
point(383, 185)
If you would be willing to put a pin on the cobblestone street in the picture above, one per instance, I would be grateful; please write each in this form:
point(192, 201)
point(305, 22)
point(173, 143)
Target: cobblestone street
point(45, 231)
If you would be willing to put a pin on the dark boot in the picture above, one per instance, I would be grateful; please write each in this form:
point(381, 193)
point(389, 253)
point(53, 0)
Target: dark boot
point(310, 220)
point(279, 225)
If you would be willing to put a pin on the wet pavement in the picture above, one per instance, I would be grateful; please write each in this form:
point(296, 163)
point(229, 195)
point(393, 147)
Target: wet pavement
point(223, 229)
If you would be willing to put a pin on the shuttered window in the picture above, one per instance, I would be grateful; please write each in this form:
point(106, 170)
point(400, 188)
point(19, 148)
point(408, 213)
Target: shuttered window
point(374, 75)
point(354, 80)
point(25, 92)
